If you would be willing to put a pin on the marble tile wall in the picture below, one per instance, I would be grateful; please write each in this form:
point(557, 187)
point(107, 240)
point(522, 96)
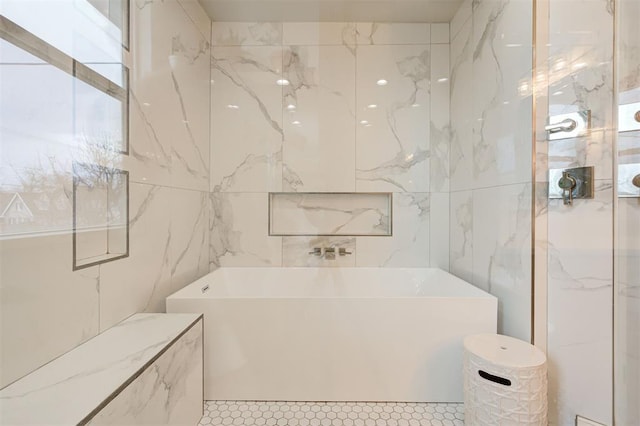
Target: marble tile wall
point(168, 392)
point(46, 309)
point(329, 107)
point(579, 243)
point(490, 155)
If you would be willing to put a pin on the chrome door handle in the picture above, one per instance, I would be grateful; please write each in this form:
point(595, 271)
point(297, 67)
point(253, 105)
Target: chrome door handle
point(567, 125)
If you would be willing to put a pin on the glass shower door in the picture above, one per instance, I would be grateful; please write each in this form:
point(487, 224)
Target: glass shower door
point(587, 259)
point(627, 241)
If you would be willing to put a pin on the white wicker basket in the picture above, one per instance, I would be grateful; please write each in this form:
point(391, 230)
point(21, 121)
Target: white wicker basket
point(505, 382)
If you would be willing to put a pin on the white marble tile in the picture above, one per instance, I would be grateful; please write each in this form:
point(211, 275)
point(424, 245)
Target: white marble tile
point(502, 253)
point(246, 33)
point(392, 33)
point(628, 34)
point(91, 373)
point(409, 245)
point(47, 309)
point(460, 18)
point(169, 91)
point(189, 246)
point(440, 33)
point(540, 265)
point(190, 75)
point(461, 148)
point(628, 247)
point(574, 377)
point(627, 312)
point(502, 63)
point(440, 132)
point(581, 78)
point(296, 251)
point(168, 392)
point(319, 151)
point(439, 231)
point(330, 214)
point(140, 282)
point(245, 90)
point(579, 307)
point(239, 235)
point(392, 138)
point(198, 16)
point(461, 235)
point(320, 33)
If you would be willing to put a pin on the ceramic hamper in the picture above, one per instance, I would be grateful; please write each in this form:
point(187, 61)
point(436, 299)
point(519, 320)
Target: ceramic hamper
point(505, 382)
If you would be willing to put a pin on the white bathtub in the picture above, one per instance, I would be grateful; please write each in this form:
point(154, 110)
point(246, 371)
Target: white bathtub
point(335, 334)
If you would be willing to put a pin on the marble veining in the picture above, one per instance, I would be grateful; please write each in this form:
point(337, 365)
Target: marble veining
point(169, 183)
point(246, 34)
point(190, 237)
point(409, 246)
point(502, 253)
point(461, 149)
point(379, 33)
point(90, 374)
point(320, 121)
point(502, 108)
point(317, 33)
point(126, 288)
point(461, 234)
point(169, 135)
point(244, 89)
point(237, 239)
point(393, 138)
point(161, 158)
point(169, 391)
point(333, 214)
point(440, 126)
point(490, 154)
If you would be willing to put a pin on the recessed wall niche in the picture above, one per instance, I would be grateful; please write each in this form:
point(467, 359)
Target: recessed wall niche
point(100, 214)
point(330, 213)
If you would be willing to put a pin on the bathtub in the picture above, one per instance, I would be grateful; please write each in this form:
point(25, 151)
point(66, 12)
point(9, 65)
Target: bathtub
point(335, 334)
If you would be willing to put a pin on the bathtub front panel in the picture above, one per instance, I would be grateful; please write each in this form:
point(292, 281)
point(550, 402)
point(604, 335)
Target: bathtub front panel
point(337, 349)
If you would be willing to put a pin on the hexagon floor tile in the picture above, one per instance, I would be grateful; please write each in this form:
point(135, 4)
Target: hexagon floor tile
point(270, 413)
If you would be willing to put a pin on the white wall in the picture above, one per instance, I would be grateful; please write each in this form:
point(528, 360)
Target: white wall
point(319, 133)
point(490, 160)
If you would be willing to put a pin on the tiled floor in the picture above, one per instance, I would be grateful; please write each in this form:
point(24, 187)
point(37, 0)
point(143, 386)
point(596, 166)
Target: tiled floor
point(258, 413)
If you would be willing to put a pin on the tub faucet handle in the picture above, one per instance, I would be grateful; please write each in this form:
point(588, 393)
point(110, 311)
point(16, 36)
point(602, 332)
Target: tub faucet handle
point(317, 251)
point(343, 251)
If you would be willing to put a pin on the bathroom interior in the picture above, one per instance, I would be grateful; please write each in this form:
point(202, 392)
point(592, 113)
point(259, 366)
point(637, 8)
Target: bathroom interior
point(305, 173)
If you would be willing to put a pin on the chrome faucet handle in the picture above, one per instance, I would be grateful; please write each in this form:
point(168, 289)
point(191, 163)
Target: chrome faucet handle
point(343, 251)
point(567, 183)
point(317, 251)
point(567, 125)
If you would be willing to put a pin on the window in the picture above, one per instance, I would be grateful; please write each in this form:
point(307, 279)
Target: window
point(64, 120)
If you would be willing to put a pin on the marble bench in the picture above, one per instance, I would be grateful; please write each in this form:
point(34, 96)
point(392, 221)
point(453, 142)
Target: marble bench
point(145, 370)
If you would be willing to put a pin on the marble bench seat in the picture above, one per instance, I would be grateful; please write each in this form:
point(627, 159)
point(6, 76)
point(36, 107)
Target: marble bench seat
point(146, 369)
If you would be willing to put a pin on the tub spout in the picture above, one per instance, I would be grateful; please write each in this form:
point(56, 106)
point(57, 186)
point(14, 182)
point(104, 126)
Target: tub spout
point(330, 253)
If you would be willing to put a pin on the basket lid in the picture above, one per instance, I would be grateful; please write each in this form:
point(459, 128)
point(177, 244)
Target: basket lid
point(504, 350)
